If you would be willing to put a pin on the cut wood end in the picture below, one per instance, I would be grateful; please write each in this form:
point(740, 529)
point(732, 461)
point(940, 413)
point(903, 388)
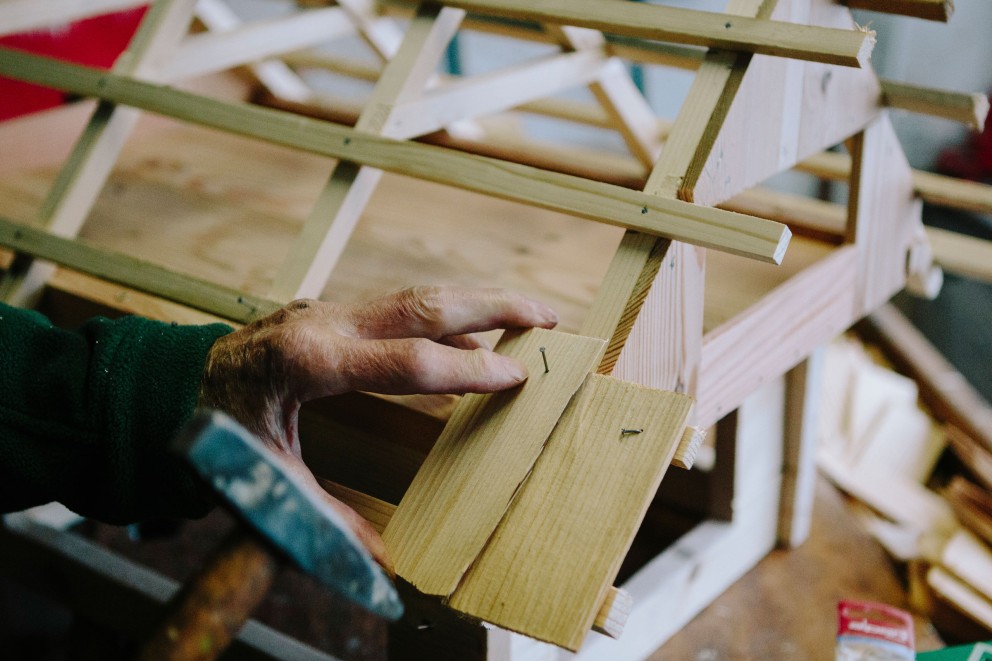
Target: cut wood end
point(926, 285)
point(980, 105)
point(613, 613)
point(867, 46)
point(685, 453)
point(783, 245)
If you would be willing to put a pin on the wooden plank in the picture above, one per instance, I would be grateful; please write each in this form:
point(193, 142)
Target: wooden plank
point(784, 111)
point(344, 197)
point(972, 504)
point(883, 216)
point(560, 544)
point(676, 585)
point(968, 109)
point(461, 493)
point(802, 403)
point(934, 10)
point(965, 599)
point(24, 15)
point(703, 112)
point(773, 335)
point(710, 29)
point(595, 201)
point(126, 270)
point(942, 387)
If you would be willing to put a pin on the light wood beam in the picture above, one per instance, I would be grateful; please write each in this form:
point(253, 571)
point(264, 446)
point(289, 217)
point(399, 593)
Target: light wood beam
point(968, 109)
point(138, 274)
point(713, 228)
point(686, 26)
point(802, 406)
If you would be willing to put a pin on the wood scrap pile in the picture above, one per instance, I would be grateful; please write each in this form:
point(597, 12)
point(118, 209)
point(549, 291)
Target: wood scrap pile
point(881, 435)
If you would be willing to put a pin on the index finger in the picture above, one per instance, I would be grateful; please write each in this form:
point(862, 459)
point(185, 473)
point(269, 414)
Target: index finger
point(436, 312)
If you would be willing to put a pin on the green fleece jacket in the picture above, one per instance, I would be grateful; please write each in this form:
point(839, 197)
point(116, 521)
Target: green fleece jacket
point(86, 416)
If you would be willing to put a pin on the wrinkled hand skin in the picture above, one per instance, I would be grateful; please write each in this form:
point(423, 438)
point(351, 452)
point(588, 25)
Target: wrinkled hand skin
point(419, 340)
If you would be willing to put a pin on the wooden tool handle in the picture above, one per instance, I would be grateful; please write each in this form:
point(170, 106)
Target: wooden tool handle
point(210, 609)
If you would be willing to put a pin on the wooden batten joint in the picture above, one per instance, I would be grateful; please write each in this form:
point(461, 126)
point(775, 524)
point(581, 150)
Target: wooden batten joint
point(613, 613)
point(688, 448)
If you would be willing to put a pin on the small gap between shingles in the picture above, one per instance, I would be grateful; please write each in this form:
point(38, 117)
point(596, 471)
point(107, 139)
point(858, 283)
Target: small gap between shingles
point(516, 492)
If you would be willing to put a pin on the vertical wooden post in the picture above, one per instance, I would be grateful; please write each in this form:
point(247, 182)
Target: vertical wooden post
point(802, 409)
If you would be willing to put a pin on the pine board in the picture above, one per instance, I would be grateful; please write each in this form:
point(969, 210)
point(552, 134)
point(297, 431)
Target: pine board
point(485, 452)
point(559, 547)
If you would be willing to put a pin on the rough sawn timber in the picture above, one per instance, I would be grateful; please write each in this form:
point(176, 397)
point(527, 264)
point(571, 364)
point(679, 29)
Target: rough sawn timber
point(575, 517)
point(487, 449)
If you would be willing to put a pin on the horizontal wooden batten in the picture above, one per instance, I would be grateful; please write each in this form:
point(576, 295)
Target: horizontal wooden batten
point(968, 109)
point(933, 10)
point(932, 188)
point(681, 221)
point(126, 270)
point(686, 26)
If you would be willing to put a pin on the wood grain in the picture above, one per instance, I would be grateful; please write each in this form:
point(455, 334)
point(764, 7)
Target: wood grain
point(487, 449)
point(549, 563)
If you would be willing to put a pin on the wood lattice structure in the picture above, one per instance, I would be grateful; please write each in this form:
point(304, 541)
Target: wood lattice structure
point(776, 84)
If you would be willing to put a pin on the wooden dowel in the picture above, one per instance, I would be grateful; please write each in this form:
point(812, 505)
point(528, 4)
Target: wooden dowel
point(681, 221)
point(686, 26)
point(138, 274)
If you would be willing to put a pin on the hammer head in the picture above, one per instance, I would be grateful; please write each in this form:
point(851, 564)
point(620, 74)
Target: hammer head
point(253, 482)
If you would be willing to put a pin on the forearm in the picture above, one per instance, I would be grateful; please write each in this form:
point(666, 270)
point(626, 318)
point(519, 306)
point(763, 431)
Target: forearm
point(86, 416)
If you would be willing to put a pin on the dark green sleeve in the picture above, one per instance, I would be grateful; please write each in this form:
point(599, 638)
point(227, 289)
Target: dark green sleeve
point(86, 416)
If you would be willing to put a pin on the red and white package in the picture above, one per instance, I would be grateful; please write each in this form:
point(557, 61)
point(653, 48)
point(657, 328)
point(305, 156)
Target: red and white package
point(867, 631)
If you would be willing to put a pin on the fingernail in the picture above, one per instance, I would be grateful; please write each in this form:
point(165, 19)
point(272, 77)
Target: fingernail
point(550, 316)
point(516, 370)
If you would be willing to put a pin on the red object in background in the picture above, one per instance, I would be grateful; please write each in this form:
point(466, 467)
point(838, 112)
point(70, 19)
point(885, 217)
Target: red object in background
point(971, 160)
point(96, 42)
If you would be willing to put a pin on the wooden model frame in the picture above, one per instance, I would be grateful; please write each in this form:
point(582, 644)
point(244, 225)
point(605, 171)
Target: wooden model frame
point(649, 310)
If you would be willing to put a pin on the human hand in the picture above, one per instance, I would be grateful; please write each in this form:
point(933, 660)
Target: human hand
point(419, 340)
